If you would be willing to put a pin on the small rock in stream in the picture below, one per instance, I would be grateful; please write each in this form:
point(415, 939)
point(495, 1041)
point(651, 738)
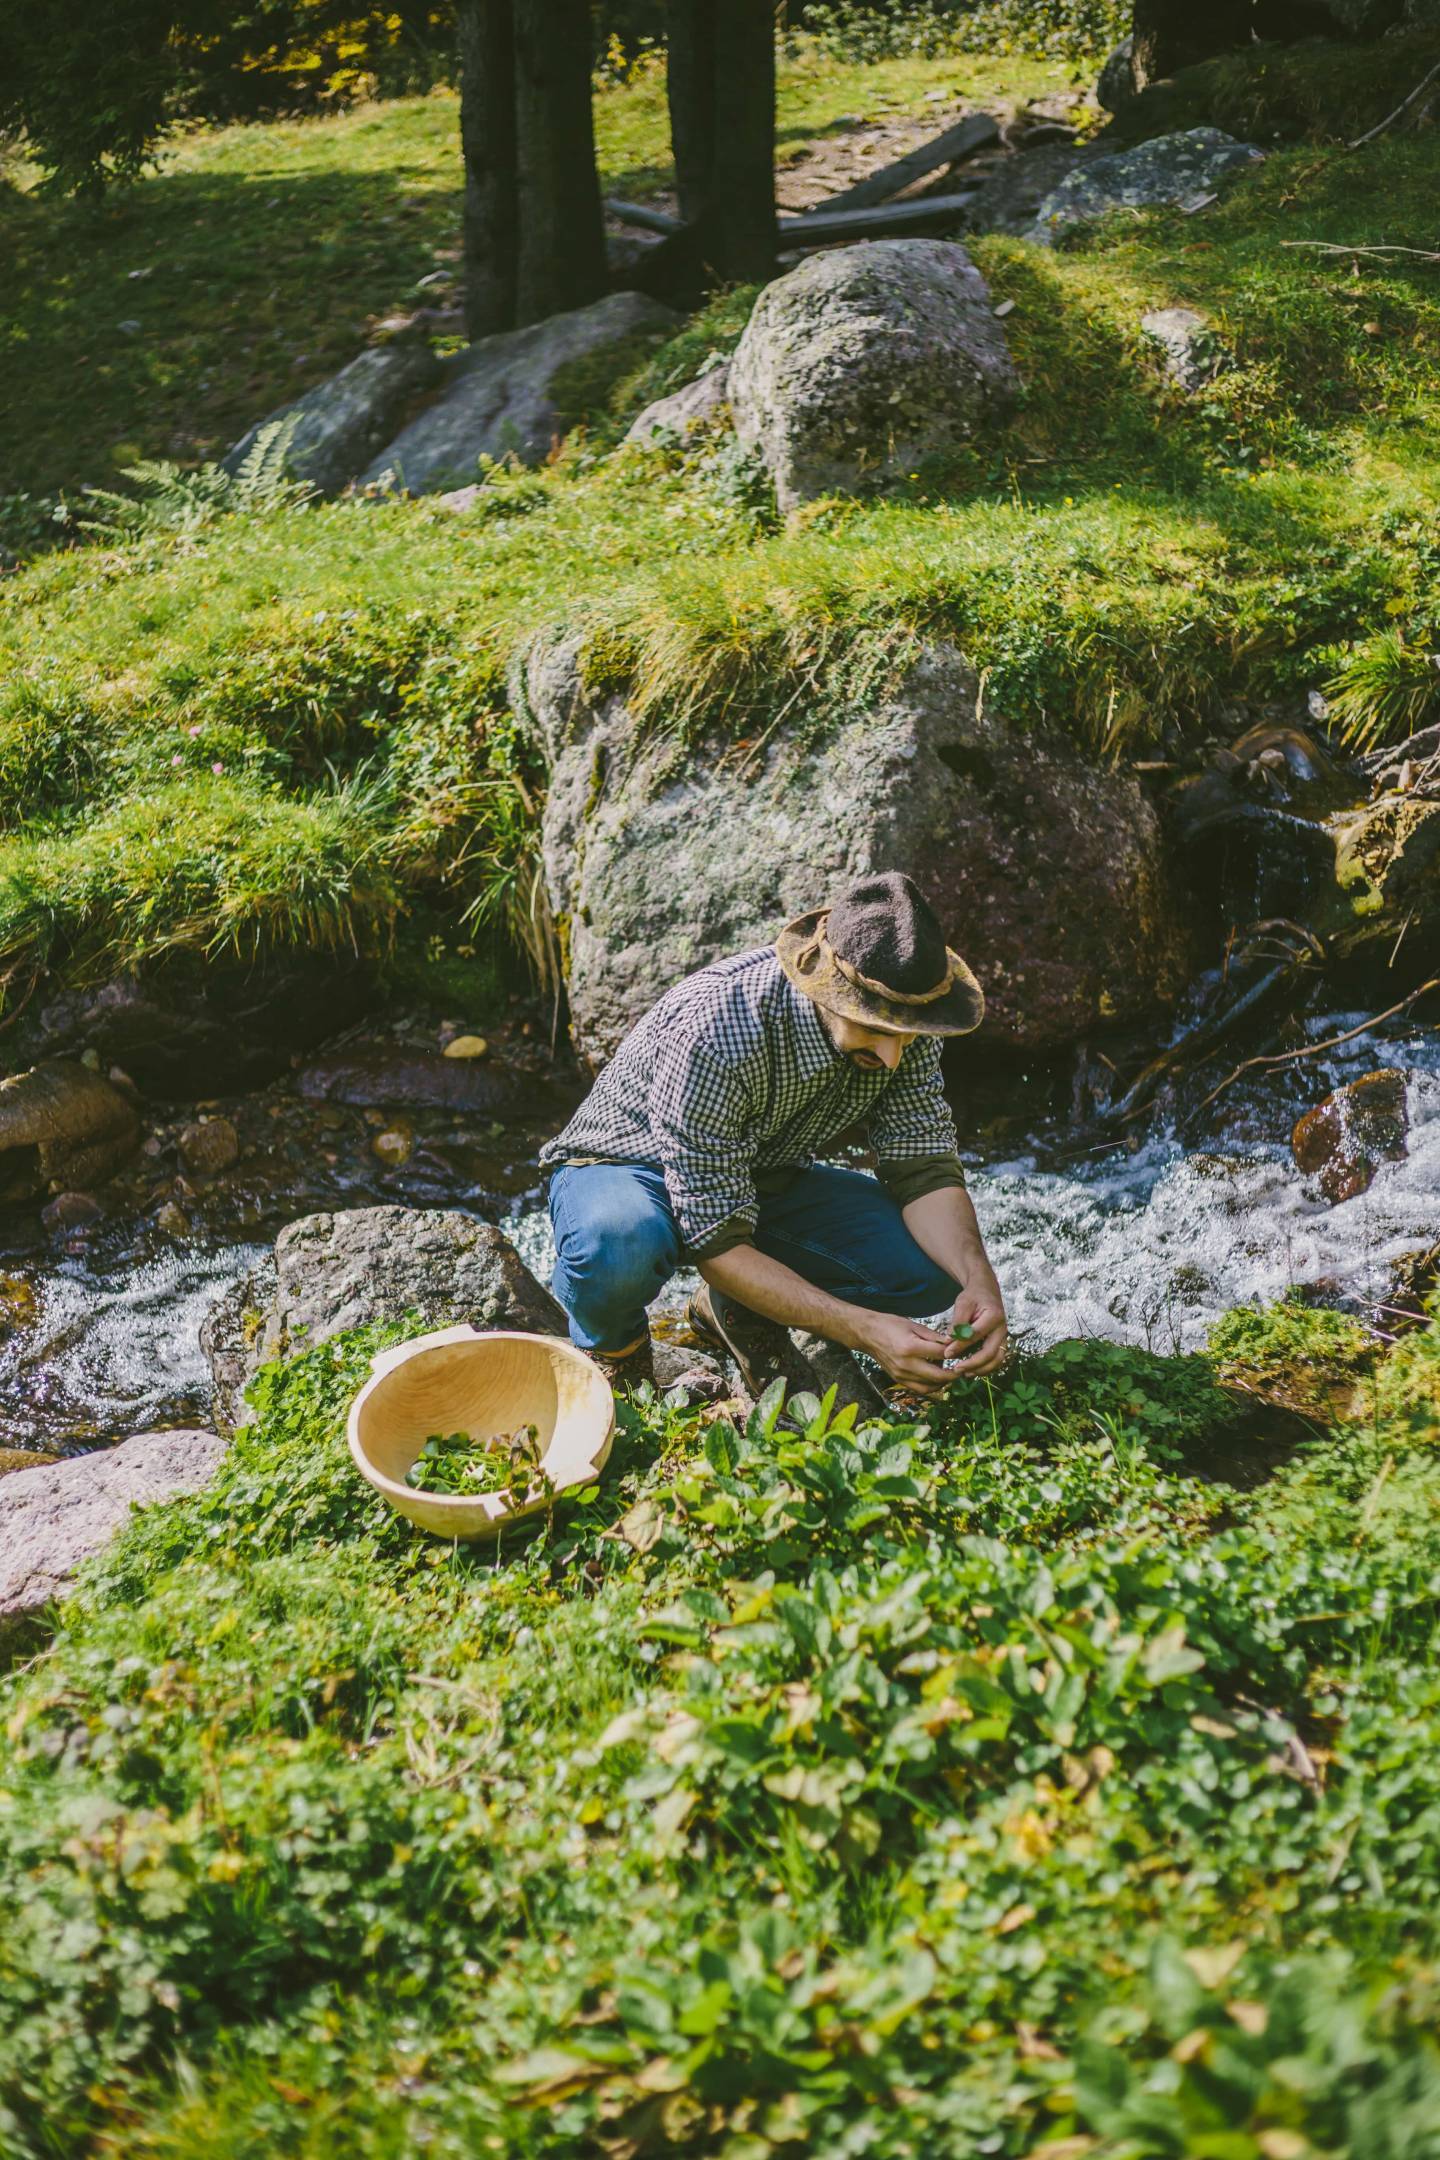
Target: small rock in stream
point(1342, 1142)
point(70, 1211)
point(210, 1145)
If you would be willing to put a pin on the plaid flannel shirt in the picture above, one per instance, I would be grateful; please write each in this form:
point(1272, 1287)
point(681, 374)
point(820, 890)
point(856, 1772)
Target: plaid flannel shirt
point(732, 1081)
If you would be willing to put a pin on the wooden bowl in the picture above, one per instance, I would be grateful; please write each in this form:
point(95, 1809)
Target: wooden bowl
point(458, 1380)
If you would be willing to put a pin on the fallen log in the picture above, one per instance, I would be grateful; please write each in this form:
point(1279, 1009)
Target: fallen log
point(972, 133)
point(814, 227)
point(631, 213)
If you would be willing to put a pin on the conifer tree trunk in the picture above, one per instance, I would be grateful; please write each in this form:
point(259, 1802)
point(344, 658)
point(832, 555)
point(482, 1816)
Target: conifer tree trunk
point(560, 261)
point(721, 88)
point(487, 140)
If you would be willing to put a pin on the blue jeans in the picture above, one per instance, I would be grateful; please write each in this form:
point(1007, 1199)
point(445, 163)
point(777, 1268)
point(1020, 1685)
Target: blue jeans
point(618, 1245)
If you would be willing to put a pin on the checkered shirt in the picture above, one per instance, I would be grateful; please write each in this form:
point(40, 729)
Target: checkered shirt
point(732, 1075)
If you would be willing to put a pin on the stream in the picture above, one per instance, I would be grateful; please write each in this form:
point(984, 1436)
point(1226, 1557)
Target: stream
point(1143, 1242)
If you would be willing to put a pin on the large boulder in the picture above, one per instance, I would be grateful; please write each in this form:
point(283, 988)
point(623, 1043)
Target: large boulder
point(1049, 872)
point(1183, 169)
point(327, 435)
point(863, 361)
point(332, 1272)
point(61, 1124)
point(59, 1514)
point(503, 396)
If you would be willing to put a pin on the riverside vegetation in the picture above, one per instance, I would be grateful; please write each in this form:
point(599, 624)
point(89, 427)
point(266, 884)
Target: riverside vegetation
point(998, 1788)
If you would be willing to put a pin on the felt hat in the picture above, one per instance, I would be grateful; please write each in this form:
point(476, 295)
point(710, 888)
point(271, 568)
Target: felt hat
point(877, 955)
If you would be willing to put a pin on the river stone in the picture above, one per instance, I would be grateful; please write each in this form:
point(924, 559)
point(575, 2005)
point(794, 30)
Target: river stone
point(865, 360)
point(1049, 873)
point(332, 1272)
point(683, 410)
point(375, 1075)
point(327, 435)
point(1190, 352)
point(61, 1125)
point(1342, 1142)
point(1169, 169)
point(55, 1516)
point(209, 1146)
point(499, 398)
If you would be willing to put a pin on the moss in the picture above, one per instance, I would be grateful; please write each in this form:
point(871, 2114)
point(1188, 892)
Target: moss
point(1304, 1358)
point(1324, 92)
point(1407, 1385)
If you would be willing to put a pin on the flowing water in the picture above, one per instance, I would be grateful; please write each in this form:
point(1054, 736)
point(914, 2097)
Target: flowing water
point(1145, 1244)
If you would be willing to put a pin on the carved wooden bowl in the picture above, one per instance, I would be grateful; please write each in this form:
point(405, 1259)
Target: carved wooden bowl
point(458, 1380)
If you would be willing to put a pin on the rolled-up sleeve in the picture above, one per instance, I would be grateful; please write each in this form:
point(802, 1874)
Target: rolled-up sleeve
point(911, 1128)
point(705, 1137)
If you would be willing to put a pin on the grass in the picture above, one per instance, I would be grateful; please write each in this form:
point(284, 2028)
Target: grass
point(998, 1789)
point(1117, 562)
point(163, 322)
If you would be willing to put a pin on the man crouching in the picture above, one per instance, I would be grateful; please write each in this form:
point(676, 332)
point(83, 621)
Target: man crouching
point(697, 1146)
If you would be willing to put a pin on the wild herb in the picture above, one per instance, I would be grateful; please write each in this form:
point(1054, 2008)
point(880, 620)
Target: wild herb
point(458, 1463)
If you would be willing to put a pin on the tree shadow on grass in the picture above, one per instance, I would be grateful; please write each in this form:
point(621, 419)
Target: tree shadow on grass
point(163, 322)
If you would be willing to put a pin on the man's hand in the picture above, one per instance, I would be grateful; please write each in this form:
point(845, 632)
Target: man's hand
point(910, 1353)
point(980, 1329)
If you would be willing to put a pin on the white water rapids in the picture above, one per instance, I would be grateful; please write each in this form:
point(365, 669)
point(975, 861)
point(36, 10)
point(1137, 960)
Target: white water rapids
point(1146, 1247)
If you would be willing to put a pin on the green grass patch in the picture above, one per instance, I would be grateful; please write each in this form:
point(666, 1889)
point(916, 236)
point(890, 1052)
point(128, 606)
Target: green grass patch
point(1117, 561)
point(885, 1789)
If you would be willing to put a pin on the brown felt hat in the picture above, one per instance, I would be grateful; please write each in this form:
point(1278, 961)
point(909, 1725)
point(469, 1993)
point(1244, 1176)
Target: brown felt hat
point(877, 955)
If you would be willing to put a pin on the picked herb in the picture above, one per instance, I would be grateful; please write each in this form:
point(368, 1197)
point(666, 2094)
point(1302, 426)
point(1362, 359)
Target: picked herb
point(963, 1332)
point(458, 1463)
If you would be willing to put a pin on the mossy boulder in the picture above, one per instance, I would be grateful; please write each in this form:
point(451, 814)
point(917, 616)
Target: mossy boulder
point(866, 360)
point(1180, 168)
point(1049, 871)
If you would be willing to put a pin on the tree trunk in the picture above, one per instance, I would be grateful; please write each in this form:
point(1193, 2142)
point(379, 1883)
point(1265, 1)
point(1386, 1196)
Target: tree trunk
point(561, 256)
point(689, 88)
point(487, 138)
point(742, 194)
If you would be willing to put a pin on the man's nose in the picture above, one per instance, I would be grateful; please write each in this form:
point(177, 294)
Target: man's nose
point(888, 1050)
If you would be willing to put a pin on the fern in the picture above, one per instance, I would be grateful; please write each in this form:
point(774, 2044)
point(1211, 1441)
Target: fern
point(167, 501)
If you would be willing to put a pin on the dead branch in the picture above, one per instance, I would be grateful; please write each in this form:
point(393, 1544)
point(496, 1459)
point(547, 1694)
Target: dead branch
point(1403, 107)
point(1380, 249)
point(1332, 1042)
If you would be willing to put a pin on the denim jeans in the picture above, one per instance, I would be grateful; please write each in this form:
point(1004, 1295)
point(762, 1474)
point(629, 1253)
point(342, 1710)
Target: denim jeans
point(618, 1245)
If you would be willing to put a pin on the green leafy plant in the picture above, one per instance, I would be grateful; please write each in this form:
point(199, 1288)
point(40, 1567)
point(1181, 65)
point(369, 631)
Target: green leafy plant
point(506, 1463)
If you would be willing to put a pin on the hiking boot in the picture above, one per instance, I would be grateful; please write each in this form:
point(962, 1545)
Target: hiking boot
point(761, 1348)
point(626, 1369)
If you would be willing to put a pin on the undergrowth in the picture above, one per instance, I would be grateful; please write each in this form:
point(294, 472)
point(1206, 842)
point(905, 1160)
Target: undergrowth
point(995, 1788)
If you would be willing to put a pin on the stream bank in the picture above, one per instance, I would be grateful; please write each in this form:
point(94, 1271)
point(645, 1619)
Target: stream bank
point(1144, 1240)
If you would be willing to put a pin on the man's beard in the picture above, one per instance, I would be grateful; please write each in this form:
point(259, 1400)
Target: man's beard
point(865, 1061)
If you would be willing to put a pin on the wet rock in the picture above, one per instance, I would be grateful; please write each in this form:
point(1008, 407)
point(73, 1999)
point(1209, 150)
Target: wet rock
point(1049, 873)
point(19, 1306)
point(181, 1037)
point(1171, 169)
point(376, 1074)
point(1342, 1142)
point(173, 1220)
point(54, 1517)
point(466, 1046)
point(683, 410)
point(1117, 84)
point(330, 433)
point(393, 1146)
point(1192, 353)
point(1389, 853)
point(70, 1211)
point(209, 1146)
point(865, 360)
point(332, 1272)
point(61, 1124)
point(503, 395)
point(1414, 1279)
